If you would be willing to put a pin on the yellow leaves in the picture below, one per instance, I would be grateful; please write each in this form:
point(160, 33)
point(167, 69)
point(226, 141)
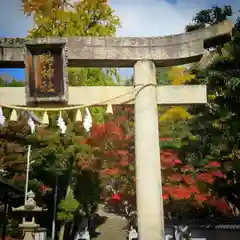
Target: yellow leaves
point(179, 75)
point(175, 114)
point(84, 18)
point(211, 97)
point(30, 6)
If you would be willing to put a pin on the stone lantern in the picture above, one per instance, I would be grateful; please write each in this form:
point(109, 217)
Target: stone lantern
point(29, 209)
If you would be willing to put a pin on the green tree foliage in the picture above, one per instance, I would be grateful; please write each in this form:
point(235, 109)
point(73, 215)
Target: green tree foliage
point(210, 16)
point(68, 207)
point(93, 77)
point(215, 126)
point(13, 83)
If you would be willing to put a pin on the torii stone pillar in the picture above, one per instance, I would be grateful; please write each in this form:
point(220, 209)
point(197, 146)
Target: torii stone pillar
point(147, 149)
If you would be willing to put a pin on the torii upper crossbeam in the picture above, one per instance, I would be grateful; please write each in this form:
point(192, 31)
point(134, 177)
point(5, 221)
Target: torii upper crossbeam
point(124, 51)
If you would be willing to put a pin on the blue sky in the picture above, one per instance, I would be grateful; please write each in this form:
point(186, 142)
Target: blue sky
point(139, 18)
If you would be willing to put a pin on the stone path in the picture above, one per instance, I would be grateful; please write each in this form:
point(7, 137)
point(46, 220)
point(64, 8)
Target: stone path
point(112, 228)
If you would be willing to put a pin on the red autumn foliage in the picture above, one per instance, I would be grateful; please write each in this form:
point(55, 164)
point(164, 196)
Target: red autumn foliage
point(112, 172)
point(187, 168)
point(205, 177)
point(165, 196)
point(188, 179)
point(214, 164)
point(180, 181)
point(199, 197)
point(221, 205)
point(44, 188)
point(116, 197)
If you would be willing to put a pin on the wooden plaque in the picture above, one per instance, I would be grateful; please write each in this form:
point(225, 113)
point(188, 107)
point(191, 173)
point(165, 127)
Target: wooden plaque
point(46, 72)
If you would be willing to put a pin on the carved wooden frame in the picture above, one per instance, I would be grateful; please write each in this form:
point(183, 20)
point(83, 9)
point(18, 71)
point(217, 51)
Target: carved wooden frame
point(44, 44)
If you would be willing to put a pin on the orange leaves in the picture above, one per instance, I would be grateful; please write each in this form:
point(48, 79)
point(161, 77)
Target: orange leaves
point(214, 164)
point(218, 173)
point(111, 172)
point(98, 131)
point(30, 6)
point(114, 131)
point(209, 177)
point(194, 189)
point(187, 168)
point(124, 163)
point(182, 192)
point(220, 204)
point(122, 152)
point(106, 132)
point(181, 182)
point(44, 188)
point(168, 158)
point(188, 179)
point(205, 177)
point(186, 182)
point(201, 197)
point(178, 192)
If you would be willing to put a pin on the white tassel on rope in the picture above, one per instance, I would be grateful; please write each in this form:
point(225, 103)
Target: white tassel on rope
point(45, 119)
point(14, 116)
point(109, 109)
point(61, 124)
point(78, 116)
point(32, 125)
point(2, 118)
point(87, 122)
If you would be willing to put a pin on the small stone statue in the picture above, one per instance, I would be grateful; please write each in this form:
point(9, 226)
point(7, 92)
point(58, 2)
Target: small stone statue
point(30, 205)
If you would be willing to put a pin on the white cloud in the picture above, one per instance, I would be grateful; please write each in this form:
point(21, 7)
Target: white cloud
point(159, 17)
point(153, 18)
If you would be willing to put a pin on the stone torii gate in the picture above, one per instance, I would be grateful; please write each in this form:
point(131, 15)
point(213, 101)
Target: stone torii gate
point(144, 54)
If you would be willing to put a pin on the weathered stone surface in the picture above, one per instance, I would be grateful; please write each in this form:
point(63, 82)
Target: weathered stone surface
point(123, 51)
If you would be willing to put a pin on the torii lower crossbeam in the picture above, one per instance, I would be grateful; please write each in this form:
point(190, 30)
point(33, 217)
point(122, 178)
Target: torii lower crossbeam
point(166, 95)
